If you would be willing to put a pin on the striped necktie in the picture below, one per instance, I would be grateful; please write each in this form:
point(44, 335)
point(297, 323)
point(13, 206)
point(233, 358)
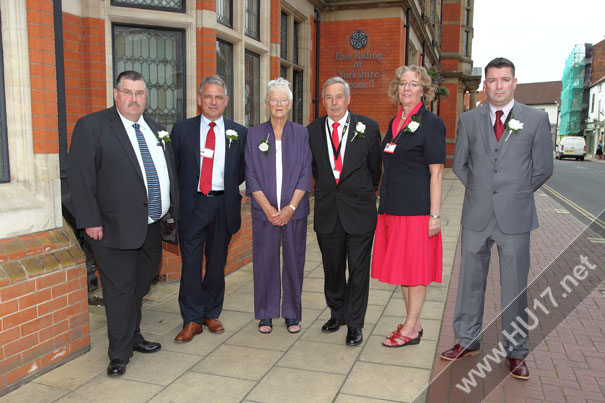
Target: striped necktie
point(154, 195)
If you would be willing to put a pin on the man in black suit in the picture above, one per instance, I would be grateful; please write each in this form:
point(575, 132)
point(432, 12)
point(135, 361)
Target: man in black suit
point(347, 167)
point(209, 158)
point(122, 182)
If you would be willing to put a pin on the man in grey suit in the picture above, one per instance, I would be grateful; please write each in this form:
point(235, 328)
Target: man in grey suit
point(503, 155)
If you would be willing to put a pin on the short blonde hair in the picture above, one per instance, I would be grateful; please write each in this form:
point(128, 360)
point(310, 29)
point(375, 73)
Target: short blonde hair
point(423, 76)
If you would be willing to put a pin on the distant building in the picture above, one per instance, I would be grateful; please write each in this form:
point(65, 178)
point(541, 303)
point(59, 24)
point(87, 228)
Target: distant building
point(595, 123)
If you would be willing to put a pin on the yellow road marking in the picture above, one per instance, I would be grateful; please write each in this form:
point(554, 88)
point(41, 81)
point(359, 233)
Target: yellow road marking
point(576, 207)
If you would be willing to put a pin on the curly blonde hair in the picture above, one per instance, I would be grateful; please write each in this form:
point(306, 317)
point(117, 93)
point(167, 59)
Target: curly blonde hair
point(425, 81)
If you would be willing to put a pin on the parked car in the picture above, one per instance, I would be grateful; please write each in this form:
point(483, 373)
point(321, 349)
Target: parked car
point(572, 147)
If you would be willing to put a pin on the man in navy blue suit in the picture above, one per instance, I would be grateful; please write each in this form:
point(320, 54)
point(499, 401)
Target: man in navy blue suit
point(209, 159)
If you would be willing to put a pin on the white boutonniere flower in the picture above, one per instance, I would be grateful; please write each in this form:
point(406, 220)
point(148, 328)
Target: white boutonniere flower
point(513, 126)
point(163, 137)
point(231, 136)
point(414, 124)
point(264, 146)
point(360, 129)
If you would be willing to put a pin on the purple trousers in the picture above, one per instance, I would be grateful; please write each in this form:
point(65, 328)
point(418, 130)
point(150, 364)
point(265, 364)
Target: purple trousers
point(266, 240)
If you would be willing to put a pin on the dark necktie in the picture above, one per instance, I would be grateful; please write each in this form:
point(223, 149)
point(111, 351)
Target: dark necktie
point(154, 195)
point(207, 162)
point(498, 125)
point(336, 143)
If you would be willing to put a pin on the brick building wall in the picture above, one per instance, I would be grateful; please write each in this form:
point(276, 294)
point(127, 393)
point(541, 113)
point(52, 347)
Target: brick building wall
point(40, 27)
point(598, 62)
point(43, 304)
point(376, 62)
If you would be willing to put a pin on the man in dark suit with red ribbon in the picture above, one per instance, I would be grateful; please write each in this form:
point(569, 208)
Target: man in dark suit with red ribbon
point(347, 167)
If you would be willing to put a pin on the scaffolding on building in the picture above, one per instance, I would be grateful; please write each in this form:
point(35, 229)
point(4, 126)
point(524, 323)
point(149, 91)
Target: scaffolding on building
point(572, 92)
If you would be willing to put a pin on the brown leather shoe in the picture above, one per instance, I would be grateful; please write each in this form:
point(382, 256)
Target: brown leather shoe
point(189, 330)
point(214, 325)
point(457, 352)
point(518, 368)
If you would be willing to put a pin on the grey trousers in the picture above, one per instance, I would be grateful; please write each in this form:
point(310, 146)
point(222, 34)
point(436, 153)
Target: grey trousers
point(513, 251)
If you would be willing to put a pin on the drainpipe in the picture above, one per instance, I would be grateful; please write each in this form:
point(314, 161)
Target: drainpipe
point(407, 35)
point(317, 42)
point(61, 109)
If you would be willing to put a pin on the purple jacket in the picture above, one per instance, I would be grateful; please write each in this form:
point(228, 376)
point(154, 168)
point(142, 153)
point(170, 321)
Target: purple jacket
point(296, 167)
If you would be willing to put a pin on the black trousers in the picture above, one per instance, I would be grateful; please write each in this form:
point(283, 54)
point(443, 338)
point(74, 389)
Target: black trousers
point(348, 300)
point(205, 235)
point(126, 276)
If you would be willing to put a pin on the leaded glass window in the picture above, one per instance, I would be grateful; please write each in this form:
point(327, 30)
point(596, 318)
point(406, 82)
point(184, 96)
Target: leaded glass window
point(224, 69)
point(159, 55)
point(295, 42)
point(283, 72)
point(252, 88)
point(253, 18)
point(283, 53)
point(297, 108)
point(4, 166)
point(168, 5)
point(224, 12)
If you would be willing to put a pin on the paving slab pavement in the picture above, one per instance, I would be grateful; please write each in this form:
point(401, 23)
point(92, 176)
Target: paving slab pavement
point(241, 365)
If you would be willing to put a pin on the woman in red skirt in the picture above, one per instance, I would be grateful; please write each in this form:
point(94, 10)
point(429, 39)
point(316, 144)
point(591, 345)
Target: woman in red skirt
point(407, 244)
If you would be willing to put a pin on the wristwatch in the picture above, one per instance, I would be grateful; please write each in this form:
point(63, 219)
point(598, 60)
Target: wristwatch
point(292, 207)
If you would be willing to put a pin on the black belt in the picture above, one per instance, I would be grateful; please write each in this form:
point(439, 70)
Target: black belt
point(212, 193)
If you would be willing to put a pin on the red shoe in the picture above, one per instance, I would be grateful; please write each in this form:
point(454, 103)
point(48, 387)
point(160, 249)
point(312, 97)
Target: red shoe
point(518, 368)
point(399, 340)
point(457, 352)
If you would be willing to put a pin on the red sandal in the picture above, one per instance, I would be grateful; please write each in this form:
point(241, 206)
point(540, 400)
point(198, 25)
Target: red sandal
point(399, 340)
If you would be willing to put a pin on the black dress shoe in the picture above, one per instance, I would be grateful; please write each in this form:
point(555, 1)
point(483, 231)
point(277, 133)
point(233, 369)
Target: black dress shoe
point(354, 336)
point(117, 367)
point(332, 325)
point(147, 347)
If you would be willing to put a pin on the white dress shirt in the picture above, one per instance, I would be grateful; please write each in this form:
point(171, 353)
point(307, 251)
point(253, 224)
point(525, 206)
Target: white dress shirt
point(218, 163)
point(505, 111)
point(157, 154)
point(342, 136)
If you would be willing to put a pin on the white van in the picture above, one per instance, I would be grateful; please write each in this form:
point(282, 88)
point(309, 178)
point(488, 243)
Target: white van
point(572, 147)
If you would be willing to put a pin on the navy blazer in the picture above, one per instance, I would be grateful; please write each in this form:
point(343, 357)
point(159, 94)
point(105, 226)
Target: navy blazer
point(405, 186)
point(185, 138)
point(106, 182)
point(296, 167)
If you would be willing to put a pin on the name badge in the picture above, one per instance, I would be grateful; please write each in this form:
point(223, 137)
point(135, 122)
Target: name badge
point(336, 174)
point(390, 148)
point(207, 153)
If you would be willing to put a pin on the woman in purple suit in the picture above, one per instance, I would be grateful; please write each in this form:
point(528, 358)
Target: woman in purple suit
point(278, 177)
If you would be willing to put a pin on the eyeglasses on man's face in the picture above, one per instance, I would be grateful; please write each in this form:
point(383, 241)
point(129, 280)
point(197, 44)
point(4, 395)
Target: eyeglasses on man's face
point(137, 94)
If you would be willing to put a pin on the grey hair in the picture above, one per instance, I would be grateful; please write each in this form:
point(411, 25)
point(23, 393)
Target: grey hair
point(336, 80)
point(129, 75)
point(278, 83)
point(213, 80)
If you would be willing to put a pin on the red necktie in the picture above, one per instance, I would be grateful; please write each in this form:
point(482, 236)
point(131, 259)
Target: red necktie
point(336, 142)
point(206, 174)
point(498, 125)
